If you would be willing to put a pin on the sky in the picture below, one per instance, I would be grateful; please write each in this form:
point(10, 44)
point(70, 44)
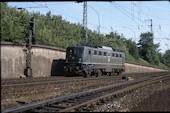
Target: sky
point(130, 18)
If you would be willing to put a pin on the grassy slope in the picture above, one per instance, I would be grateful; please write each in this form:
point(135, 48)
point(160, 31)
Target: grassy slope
point(130, 59)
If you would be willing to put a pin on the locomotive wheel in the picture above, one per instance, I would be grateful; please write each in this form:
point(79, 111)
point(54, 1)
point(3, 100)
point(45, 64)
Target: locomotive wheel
point(112, 73)
point(108, 74)
point(86, 74)
point(99, 73)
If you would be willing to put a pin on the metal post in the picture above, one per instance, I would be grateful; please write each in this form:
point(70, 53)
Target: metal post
point(85, 21)
point(28, 69)
point(150, 25)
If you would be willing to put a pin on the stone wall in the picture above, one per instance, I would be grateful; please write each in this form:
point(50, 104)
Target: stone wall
point(45, 61)
point(132, 68)
point(12, 61)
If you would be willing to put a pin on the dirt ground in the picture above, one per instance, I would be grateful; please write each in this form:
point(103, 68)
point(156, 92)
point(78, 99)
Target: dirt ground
point(159, 101)
point(154, 97)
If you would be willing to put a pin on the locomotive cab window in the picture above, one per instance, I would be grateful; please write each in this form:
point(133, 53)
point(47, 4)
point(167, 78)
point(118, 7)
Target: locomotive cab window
point(76, 52)
point(113, 55)
point(100, 53)
point(104, 53)
point(89, 52)
point(116, 55)
point(120, 55)
point(95, 52)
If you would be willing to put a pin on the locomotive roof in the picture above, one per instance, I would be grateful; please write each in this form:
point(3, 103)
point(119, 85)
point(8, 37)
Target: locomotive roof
point(105, 48)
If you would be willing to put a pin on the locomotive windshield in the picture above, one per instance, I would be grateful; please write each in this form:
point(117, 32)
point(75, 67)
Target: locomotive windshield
point(74, 54)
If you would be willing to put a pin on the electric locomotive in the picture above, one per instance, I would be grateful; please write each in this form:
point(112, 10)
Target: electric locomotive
point(87, 60)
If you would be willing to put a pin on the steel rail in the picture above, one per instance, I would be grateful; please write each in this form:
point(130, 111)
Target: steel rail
point(62, 81)
point(59, 81)
point(115, 93)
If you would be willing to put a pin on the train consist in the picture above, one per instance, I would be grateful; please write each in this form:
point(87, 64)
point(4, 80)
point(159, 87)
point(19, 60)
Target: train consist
point(87, 60)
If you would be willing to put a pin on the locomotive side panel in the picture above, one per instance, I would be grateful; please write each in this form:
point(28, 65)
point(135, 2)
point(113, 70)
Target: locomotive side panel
point(103, 60)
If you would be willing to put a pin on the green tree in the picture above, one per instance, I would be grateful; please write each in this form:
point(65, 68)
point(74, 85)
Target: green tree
point(161, 57)
point(115, 41)
point(147, 49)
point(13, 24)
point(166, 58)
point(132, 48)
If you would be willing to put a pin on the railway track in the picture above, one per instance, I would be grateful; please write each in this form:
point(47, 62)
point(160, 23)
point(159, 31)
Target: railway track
point(25, 89)
point(53, 81)
point(48, 80)
point(36, 79)
point(84, 101)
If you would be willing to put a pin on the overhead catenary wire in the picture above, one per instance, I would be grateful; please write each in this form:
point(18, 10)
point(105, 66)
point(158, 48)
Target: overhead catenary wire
point(166, 19)
point(121, 9)
point(135, 17)
point(74, 17)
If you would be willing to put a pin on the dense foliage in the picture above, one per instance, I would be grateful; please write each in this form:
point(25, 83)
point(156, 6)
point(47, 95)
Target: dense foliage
point(166, 58)
point(147, 49)
point(132, 48)
point(53, 30)
point(13, 24)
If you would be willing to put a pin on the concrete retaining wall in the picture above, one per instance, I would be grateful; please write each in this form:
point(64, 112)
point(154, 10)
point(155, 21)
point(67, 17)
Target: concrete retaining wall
point(132, 68)
point(46, 61)
point(12, 61)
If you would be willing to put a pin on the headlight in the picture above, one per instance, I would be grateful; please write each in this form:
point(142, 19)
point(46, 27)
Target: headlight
point(79, 60)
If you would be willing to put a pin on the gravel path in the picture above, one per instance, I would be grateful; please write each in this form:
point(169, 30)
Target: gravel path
point(154, 97)
point(28, 94)
point(159, 101)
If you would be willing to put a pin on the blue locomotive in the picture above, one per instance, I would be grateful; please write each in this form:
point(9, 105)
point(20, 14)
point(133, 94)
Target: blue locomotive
point(87, 60)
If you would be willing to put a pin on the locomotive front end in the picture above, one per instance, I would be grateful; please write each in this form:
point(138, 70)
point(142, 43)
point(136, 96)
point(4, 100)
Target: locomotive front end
point(73, 60)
